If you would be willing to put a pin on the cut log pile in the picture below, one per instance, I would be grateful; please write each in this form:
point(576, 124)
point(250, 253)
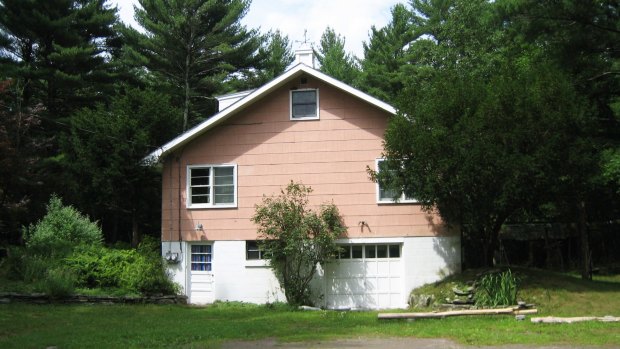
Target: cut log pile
point(521, 309)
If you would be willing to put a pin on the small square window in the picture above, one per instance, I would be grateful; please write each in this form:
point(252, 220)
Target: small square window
point(382, 251)
point(394, 251)
point(356, 251)
point(370, 251)
point(253, 251)
point(304, 104)
point(345, 252)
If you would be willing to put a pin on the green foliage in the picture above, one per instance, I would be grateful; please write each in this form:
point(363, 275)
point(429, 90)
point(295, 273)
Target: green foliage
point(139, 271)
point(385, 62)
point(495, 289)
point(193, 47)
point(57, 50)
point(472, 138)
point(277, 50)
point(296, 239)
point(62, 228)
point(334, 60)
point(104, 152)
point(59, 282)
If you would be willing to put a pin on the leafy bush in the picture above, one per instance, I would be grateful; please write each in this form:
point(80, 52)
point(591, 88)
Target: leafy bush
point(140, 270)
point(497, 289)
point(296, 239)
point(59, 282)
point(62, 228)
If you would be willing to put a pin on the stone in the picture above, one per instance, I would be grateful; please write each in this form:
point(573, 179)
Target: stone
point(421, 300)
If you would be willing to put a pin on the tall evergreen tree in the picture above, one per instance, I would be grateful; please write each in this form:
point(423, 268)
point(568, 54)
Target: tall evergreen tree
point(57, 49)
point(583, 37)
point(385, 56)
point(194, 47)
point(333, 58)
point(104, 154)
point(55, 56)
point(277, 49)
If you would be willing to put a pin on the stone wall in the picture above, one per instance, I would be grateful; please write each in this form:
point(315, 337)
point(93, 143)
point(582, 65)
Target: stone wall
point(42, 298)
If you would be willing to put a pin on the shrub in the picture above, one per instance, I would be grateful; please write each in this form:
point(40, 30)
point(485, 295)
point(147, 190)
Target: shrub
point(59, 282)
point(296, 239)
point(140, 271)
point(497, 289)
point(62, 228)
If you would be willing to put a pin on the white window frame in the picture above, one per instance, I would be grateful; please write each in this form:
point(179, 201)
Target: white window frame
point(365, 257)
point(401, 200)
point(211, 203)
point(261, 253)
point(316, 90)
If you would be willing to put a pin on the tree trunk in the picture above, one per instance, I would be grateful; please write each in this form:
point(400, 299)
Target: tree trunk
point(586, 263)
point(135, 233)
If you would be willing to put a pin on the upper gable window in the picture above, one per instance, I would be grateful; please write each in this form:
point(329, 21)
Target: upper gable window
point(211, 186)
point(305, 104)
point(385, 195)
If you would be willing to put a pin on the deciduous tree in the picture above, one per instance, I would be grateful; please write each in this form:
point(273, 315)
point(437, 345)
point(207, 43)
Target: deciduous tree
point(297, 239)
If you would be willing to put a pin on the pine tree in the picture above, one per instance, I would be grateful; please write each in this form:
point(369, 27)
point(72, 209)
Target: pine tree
point(385, 56)
point(58, 50)
point(194, 47)
point(277, 49)
point(334, 60)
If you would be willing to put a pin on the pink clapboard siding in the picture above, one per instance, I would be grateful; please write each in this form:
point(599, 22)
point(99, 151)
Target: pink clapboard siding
point(330, 154)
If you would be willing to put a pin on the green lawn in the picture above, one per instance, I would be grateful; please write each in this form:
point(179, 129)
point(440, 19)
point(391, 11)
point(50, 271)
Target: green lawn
point(152, 326)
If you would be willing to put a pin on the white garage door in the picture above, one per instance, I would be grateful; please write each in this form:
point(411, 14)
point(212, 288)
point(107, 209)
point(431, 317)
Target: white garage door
point(365, 276)
point(201, 274)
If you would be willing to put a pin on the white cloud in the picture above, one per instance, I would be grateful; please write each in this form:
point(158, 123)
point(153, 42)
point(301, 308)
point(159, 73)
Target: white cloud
point(349, 18)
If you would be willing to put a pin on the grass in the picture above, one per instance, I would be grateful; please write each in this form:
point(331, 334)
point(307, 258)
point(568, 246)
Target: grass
point(152, 326)
point(554, 294)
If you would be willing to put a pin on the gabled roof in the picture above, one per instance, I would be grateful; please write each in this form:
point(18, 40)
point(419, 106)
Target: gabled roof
point(255, 96)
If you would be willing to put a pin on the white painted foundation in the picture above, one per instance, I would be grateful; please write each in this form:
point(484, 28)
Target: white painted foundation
point(352, 284)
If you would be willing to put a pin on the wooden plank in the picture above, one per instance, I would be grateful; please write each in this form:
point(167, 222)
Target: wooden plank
point(570, 320)
point(500, 311)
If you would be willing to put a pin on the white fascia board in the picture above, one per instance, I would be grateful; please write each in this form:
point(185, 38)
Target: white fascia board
point(244, 102)
point(351, 90)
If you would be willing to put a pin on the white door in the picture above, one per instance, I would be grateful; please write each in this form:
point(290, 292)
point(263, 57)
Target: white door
point(365, 276)
point(201, 274)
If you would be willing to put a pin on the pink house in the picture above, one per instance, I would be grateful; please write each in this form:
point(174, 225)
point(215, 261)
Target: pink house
point(307, 127)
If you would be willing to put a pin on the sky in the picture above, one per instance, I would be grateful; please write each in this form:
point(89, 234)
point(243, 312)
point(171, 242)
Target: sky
point(349, 18)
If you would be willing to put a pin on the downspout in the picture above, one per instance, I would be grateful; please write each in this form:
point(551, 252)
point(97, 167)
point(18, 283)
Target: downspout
point(179, 192)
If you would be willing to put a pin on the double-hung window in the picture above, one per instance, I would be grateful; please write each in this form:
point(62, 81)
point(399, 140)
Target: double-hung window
point(385, 195)
point(211, 186)
point(305, 104)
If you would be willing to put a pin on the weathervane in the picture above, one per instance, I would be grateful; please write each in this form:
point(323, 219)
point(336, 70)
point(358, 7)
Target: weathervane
point(305, 41)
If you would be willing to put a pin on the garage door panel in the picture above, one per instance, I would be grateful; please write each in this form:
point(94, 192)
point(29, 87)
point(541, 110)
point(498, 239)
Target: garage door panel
point(347, 286)
point(395, 283)
point(383, 268)
point(383, 284)
point(371, 268)
point(383, 300)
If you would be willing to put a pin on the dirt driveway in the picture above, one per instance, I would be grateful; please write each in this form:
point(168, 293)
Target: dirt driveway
point(377, 343)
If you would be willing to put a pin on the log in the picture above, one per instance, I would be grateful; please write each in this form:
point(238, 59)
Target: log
point(506, 311)
point(570, 320)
